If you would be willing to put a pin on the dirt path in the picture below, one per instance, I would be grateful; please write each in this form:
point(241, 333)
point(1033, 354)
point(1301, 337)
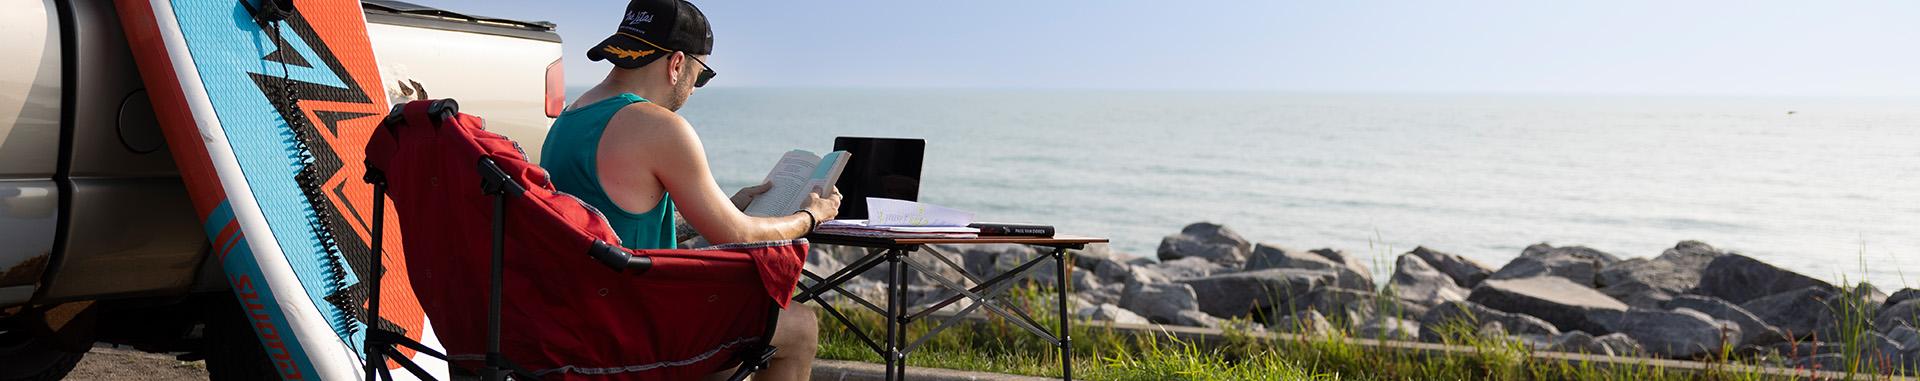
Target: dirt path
point(108, 363)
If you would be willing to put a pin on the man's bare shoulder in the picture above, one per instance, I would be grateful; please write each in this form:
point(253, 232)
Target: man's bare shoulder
point(646, 121)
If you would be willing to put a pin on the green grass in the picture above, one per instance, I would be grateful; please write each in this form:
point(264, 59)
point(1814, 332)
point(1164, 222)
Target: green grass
point(1102, 353)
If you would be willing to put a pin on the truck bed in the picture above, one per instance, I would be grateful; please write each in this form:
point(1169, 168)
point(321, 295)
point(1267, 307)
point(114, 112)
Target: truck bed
point(91, 205)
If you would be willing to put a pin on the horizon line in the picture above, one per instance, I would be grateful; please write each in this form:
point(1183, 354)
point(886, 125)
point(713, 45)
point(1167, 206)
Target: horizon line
point(1298, 91)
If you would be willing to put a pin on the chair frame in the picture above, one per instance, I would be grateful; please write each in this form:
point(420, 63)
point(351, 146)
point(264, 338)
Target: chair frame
point(380, 344)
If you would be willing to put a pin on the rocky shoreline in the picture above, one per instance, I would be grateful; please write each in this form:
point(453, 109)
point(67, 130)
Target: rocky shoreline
point(1691, 302)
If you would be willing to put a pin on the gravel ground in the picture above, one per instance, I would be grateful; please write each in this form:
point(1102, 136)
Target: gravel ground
point(108, 363)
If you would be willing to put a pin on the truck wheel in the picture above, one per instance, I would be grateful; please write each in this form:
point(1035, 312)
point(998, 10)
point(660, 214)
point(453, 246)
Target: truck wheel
point(233, 351)
point(32, 358)
point(44, 343)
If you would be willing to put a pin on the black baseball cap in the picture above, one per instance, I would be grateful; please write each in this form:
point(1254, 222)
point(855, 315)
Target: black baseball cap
point(652, 29)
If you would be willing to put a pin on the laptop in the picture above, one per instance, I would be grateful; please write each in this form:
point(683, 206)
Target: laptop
point(879, 167)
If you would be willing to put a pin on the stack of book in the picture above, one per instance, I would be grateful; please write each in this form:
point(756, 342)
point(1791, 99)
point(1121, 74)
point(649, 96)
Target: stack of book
point(907, 219)
point(861, 228)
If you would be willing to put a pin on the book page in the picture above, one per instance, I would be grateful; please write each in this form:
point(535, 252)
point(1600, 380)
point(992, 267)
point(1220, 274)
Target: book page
point(791, 178)
point(891, 212)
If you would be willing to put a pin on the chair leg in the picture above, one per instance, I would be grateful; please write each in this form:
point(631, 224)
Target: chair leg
point(496, 182)
point(494, 371)
point(375, 350)
point(757, 359)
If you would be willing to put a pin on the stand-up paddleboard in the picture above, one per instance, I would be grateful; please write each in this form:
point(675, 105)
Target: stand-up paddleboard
point(266, 117)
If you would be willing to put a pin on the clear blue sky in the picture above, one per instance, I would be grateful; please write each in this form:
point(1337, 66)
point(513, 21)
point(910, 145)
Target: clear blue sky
point(1824, 48)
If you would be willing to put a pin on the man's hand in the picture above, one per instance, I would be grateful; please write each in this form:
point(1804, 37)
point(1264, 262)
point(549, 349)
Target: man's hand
point(823, 207)
point(745, 196)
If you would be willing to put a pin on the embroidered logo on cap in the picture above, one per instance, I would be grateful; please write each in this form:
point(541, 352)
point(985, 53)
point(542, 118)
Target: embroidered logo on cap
point(626, 54)
point(638, 17)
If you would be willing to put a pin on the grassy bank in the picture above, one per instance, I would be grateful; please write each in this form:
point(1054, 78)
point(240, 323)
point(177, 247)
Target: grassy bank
point(1102, 353)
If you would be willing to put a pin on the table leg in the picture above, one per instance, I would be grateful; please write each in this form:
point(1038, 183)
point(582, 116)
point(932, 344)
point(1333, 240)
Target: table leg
point(1066, 337)
point(895, 365)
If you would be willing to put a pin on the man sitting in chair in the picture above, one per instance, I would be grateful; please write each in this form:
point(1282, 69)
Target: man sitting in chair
point(623, 150)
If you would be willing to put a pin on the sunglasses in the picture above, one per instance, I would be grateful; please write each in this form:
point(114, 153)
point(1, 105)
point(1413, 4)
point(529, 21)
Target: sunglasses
point(706, 72)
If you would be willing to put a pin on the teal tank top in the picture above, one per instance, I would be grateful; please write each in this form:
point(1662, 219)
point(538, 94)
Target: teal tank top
point(570, 157)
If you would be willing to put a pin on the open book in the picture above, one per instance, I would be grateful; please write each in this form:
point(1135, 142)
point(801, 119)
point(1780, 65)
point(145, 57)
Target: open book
point(797, 173)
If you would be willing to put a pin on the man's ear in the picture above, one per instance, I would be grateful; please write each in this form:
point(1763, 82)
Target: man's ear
point(674, 62)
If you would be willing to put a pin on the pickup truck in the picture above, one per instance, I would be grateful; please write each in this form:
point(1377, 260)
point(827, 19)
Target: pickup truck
point(98, 242)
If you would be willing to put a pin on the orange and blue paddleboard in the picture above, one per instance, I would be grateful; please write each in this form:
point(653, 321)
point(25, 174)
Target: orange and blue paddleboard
point(266, 117)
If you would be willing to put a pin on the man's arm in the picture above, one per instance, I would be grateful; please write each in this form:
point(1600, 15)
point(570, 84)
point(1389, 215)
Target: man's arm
point(645, 144)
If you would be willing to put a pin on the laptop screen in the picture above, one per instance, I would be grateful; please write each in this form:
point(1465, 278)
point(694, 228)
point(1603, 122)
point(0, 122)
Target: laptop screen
point(879, 167)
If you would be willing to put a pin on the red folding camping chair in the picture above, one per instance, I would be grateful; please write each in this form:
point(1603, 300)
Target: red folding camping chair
point(564, 300)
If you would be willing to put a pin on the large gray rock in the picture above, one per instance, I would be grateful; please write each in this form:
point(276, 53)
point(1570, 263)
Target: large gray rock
point(1753, 330)
point(1854, 310)
point(1207, 240)
point(915, 297)
point(1578, 342)
point(1907, 338)
point(1352, 273)
point(1638, 295)
point(1557, 300)
point(1545, 249)
point(1620, 344)
point(838, 253)
point(1386, 328)
point(985, 261)
point(1799, 313)
point(1165, 303)
point(1149, 273)
point(1740, 279)
point(1401, 309)
point(1579, 264)
point(1112, 313)
point(1913, 361)
point(1269, 256)
point(1047, 301)
point(1305, 322)
point(1414, 280)
point(1901, 296)
point(1457, 318)
point(1197, 319)
point(1465, 272)
point(1081, 281)
point(1348, 304)
point(1648, 282)
point(1878, 350)
point(1872, 296)
point(1905, 314)
point(1105, 265)
point(923, 259)
point(1106, 293)
point(992, 260)
point(1245, 293)
point(1184, 268)
point(1681, 334)
point(823, 261)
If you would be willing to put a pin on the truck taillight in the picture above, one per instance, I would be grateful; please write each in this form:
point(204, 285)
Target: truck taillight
point(556, 89)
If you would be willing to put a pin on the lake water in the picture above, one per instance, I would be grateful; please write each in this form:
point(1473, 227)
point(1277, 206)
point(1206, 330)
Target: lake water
point(1824, 186)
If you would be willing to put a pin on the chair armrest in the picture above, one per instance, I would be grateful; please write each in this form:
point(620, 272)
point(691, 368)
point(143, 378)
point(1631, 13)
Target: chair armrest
point(618, 259)
point(802, 242)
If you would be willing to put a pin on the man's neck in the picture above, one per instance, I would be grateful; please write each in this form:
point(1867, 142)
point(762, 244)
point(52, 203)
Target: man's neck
point(614, 84)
